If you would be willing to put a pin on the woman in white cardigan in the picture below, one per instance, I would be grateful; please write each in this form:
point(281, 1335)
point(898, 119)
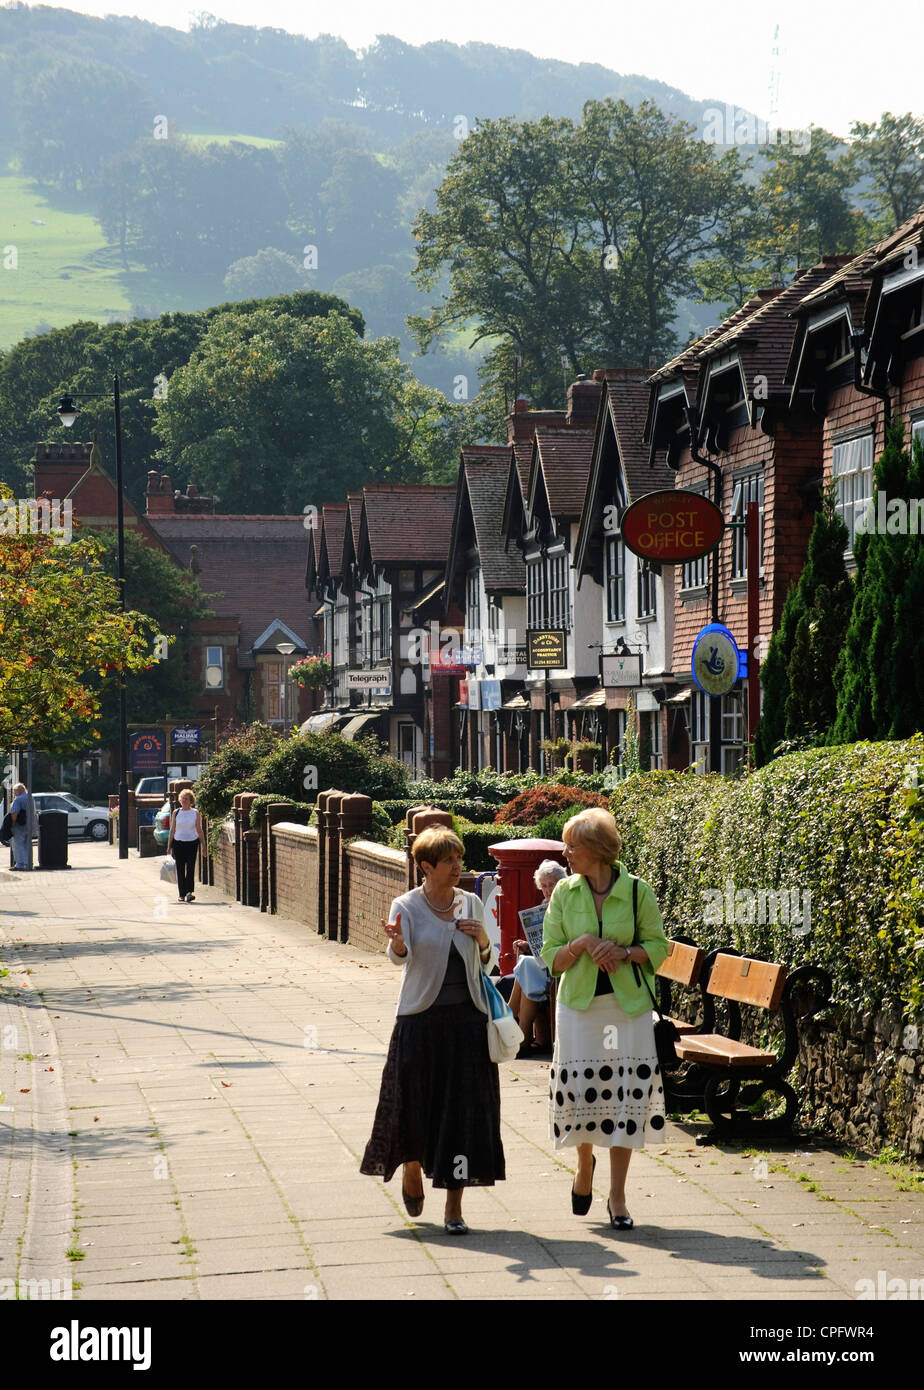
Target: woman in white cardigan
point(439, 1103)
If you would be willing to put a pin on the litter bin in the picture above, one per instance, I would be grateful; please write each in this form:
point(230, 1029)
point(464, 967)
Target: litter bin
point(52, 840)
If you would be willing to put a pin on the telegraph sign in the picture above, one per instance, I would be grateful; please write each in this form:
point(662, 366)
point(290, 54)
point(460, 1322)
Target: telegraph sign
point(716, 660)
point(672, 527)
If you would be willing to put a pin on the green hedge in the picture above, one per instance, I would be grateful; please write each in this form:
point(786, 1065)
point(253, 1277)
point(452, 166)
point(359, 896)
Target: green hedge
point(838, 823)
point(301, 810)
point(479, 812)
point(476, 839)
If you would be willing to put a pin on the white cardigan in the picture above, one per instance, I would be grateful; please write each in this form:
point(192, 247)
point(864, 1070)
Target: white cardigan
point(428, 940)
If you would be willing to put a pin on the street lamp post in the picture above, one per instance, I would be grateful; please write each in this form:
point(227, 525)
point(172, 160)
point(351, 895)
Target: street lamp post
point(67, 413)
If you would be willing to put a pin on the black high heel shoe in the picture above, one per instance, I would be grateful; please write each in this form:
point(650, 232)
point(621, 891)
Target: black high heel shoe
point(619, 1223)
point(580, 1205)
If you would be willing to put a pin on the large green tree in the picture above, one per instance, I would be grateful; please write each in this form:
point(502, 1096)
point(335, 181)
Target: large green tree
point(889, 155)
point(274, 414)
point(83, 358)
point(799, 700)
point(571, 243)
point(880, 674)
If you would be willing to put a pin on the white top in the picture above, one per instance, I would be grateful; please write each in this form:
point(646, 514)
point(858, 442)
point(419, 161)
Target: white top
point(428, 940)
point(185, 825)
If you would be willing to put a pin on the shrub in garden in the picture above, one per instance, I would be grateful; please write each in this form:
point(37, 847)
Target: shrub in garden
point(231, 766)
point(530, 806)
point(329, 762)
point(476, 839)
point(731, 863)
point(550, 827)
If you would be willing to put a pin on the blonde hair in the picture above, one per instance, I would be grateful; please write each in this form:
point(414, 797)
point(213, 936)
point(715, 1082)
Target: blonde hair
point(594, 830)
point(435, 843)
point(18, 788)
point(187, 791)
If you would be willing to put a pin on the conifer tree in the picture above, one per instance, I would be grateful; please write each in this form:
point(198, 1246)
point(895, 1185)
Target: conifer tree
point(880, 673)
point(799, 697)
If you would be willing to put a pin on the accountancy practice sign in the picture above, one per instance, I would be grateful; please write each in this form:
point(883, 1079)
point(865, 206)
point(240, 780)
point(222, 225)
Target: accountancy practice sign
point(672, 527)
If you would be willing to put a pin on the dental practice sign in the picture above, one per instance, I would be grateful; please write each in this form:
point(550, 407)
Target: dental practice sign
point(715, 660)
point(672, 527)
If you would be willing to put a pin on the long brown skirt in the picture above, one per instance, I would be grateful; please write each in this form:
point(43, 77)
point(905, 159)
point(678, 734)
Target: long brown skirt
point(439, 1103)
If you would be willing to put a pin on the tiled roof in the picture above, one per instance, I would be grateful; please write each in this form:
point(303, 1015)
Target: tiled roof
point(256, 566)
point(523, 457)
point(334, 526)
point(408, 522)
point(564, 456)
point(487, 471)
point(849, 278)
point(627, 398)
point(895, 246)
point(688, 359)
point(765, 337)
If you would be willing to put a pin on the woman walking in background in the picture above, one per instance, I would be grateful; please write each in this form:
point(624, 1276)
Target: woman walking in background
point(606, 1086)
point(439, 1104)
point(186, 835)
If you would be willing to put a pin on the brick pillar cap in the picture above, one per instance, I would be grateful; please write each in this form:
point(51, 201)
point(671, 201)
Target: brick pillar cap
point(424, 819)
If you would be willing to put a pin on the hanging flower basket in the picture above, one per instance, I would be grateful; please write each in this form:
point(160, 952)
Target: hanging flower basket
point(312, 671)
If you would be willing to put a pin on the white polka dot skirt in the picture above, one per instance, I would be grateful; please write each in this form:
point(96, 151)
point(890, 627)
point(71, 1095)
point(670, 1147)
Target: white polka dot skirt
point(605, 1082)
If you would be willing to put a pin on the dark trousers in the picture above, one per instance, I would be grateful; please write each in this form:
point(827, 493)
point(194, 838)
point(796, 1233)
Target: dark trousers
point(184, 854)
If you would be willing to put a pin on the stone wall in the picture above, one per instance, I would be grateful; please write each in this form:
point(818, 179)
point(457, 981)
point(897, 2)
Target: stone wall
point(376, 874)
point(297, 872)
point(862, 1078)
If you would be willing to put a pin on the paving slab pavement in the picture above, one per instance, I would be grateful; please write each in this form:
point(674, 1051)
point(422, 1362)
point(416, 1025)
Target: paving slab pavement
point(189, 1088)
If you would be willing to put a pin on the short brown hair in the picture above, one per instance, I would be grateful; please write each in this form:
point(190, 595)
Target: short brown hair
point(435, 843)
point(595, 830)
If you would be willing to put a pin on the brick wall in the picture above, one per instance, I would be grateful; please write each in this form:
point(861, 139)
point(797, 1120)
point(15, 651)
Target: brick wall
point(296, 853)
point(223, 860)
point(377, 875)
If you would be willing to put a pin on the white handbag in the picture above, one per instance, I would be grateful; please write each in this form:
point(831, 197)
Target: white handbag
point(168, 869)
point(504, 1033)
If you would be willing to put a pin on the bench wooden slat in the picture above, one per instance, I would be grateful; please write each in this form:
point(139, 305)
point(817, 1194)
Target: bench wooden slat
point(712, 1047)
point(682, 1026)
point(747, 981)
point(682, 964)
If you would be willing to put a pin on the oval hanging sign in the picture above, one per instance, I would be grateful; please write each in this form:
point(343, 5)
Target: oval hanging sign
point(672, 527)
point(715, 660)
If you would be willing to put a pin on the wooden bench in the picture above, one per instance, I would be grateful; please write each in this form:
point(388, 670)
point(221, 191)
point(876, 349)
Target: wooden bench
point(732, 1076)
point(682, 966)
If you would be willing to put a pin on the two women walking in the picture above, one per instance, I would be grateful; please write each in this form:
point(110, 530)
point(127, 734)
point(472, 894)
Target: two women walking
point(439, 1106)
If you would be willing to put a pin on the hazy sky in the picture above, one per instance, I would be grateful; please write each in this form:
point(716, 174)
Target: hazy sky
point(836, 63)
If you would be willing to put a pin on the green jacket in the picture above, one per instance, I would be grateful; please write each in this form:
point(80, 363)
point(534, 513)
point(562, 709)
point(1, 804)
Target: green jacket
point(571, 913)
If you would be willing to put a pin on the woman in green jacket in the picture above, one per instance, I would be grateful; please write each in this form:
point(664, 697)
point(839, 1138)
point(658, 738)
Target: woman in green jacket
point(606, 1085)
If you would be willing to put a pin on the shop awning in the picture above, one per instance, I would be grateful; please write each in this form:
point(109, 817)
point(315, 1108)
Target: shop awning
point(594, 700)
point(359, 721)
point(680, 698)
point(317, 723)
point(516, 702)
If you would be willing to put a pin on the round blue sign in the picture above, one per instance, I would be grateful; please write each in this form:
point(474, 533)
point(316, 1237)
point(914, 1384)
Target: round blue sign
point(715, 660)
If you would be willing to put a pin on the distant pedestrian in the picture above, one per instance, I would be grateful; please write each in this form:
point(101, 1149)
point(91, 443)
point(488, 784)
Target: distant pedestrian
point(439, 1104)
point(186, 835)
point(19, 814)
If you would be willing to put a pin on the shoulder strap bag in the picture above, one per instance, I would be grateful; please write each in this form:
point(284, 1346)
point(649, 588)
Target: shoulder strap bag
point(504, 1033)
point(666, 1034)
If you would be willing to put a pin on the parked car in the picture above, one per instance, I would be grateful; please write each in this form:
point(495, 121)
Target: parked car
point(149, 786)
point(162, 824)
point(82, 817)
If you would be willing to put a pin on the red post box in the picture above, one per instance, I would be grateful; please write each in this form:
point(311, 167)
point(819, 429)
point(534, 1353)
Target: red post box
point(517, 861)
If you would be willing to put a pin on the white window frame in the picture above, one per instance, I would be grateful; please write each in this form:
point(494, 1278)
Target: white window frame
point(646, 591)
point(215, 656)
point(535, 592)
point(695, 574)
point(614, 565)
point(558, 572)
point(748, 488)
point(852, 471)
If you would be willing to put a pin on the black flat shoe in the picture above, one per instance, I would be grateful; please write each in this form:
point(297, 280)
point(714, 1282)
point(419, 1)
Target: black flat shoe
point(413, 1205)
point(619, 1223)
point(456, 1228)
point(580, 1205)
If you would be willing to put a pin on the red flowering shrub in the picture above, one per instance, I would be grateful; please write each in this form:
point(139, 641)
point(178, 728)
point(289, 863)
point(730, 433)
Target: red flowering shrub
point(531, 806)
